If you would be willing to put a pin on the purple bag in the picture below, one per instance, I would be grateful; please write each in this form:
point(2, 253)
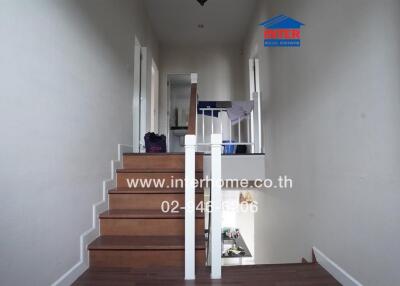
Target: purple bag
point(155, 143)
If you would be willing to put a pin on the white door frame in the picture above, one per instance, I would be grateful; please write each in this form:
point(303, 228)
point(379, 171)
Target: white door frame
point(139, 96)
point(154, 101)
point(143, 100)
point(168, 112)
point(255, 95)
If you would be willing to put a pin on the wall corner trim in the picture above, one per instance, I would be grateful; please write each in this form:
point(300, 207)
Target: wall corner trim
point(335, 270)
point(88, 236)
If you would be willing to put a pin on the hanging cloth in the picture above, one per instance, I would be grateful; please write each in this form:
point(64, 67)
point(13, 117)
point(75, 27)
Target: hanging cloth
point(239, 110)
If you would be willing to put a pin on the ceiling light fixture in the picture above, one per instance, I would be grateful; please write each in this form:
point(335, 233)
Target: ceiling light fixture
point(202, 2)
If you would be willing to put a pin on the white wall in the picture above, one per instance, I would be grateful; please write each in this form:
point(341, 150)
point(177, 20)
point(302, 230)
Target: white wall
point(66, 70)
point(219, 68)
point(331, 121)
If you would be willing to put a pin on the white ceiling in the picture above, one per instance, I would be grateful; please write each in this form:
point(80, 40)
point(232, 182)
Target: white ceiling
point(176, 21)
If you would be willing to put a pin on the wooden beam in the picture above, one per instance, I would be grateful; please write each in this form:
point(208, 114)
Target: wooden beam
point(192, 110)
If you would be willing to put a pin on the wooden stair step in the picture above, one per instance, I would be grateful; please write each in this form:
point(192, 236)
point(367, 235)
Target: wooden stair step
point(132, 170)
point(150, 179)
point(153, 201)
point(146, 223)
point(150, 191)
point(145, 214)
point(161, 154)
point(142, 252)
point(164, 161)
point(143, 243)
point(142, 259)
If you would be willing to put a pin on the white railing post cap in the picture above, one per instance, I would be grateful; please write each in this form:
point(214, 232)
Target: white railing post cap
point(193, 78)
point(216, 139)
point(190, 140)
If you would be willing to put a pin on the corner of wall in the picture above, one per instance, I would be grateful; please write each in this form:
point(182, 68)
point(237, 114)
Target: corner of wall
point(335, 270)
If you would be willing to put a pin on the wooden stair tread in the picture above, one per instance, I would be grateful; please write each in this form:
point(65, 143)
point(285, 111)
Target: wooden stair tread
point(143, 243)
point(144, 214)
point(160, 154)
point(244, 275)
point(150, 191)
point(155, 171)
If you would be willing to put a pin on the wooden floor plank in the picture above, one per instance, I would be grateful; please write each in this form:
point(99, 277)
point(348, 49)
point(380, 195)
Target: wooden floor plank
point(268, 275)
point(143, 243)
point(145, 214)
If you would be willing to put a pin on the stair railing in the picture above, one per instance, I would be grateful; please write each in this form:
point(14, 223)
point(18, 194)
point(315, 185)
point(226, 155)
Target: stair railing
point(190, 184)
point(246, 130)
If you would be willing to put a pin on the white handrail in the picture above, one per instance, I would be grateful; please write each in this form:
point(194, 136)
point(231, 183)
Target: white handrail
point(190, 156)
point(215, 234)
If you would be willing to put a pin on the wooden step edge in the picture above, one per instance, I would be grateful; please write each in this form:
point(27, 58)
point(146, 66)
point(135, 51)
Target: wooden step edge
point(161, 154)
point(145, 214)
point(156, 171)
point(143, 243)
point(160, 191)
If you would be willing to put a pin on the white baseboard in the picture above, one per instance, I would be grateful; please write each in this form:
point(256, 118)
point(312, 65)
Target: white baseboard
point(91, 234)
point(335, 270)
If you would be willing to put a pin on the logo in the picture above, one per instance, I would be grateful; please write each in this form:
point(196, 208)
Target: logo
point(282, 31)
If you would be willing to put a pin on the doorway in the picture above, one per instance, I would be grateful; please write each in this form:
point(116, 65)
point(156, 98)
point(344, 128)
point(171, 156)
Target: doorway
point(178, 98)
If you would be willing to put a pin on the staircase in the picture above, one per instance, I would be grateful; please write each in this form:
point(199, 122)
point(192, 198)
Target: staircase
point(134, 232)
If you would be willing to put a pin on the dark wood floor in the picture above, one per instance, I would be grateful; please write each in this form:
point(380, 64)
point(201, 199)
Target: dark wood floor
point(274, 275)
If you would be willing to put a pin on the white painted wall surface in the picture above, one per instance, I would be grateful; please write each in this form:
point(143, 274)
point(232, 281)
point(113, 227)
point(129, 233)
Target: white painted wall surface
point(220, 70)
point(238, 167)
point(66, 70)
point(331, 121)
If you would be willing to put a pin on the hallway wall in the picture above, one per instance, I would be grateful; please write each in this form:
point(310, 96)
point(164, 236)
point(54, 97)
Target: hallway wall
point(220, 71)
point(331, 122)
point(66, 71)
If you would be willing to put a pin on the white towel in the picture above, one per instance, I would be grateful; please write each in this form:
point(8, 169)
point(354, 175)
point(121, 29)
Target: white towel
point(239, 110)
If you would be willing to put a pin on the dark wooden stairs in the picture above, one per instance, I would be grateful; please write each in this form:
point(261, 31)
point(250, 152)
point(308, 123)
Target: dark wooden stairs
point(134, 232)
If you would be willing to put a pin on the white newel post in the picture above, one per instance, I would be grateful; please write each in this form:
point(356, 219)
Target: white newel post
point(215, 235)
point(190, 156)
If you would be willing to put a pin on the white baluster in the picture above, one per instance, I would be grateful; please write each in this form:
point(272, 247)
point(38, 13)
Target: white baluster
point(212, 121)
point(248, 128)
point(215, 238)
point(203, 125)
point(220, 116)
point(230, 131)
point(190, 156)
point(240, 138)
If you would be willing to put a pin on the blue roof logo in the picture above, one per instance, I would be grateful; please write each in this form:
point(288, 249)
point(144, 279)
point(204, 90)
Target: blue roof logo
point(282, 31)
point(282, 22)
